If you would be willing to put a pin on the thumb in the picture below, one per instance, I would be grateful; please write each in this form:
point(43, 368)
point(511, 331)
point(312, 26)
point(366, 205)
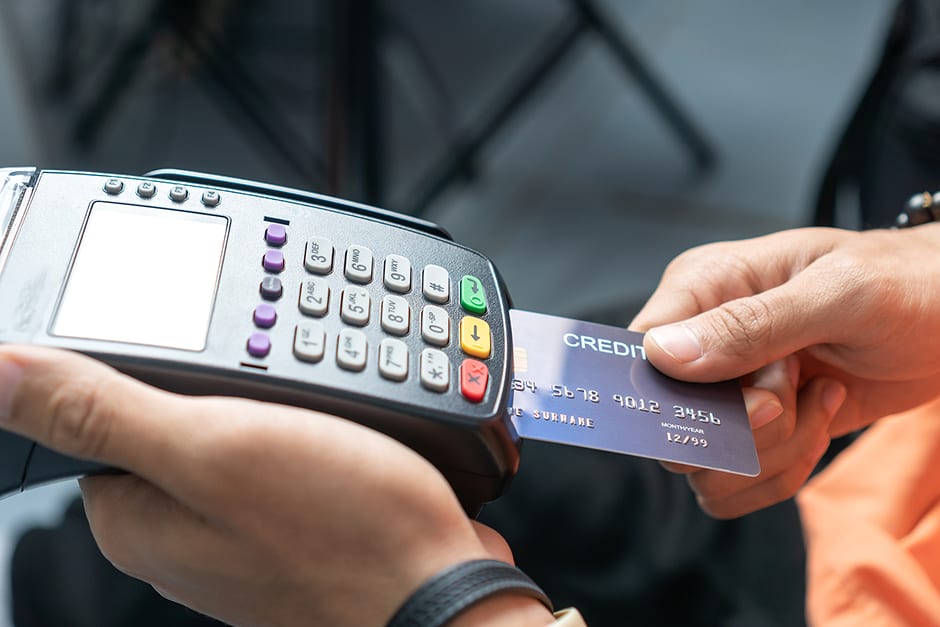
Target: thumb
point(84, 409)
point(741, 335)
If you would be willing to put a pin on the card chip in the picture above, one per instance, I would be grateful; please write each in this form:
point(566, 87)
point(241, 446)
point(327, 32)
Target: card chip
point(520, 360)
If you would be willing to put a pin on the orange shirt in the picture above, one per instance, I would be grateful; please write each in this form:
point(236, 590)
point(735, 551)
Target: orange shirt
point(872, 527)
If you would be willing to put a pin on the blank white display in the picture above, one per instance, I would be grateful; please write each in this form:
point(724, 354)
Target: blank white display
point(144, 276)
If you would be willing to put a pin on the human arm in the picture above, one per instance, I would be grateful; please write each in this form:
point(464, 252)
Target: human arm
point(250, 512)
point(855, 309)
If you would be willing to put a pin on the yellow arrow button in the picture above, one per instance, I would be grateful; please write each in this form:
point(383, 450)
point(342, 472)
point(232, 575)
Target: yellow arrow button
point(475, 337)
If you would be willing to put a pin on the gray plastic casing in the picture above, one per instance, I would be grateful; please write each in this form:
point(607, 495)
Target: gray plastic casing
point(473, 444)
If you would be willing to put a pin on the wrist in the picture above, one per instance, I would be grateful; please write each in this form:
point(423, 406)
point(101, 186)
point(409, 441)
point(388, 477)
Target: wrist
point(475, 592)
point(432, 551)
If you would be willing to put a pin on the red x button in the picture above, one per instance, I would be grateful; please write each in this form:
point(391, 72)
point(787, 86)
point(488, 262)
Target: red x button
point(473, 378)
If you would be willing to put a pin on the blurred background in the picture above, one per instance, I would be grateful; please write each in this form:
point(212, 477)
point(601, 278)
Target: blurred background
point(579, 144)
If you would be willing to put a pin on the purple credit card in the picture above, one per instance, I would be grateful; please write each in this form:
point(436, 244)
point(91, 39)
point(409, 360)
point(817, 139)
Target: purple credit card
point(590, 385)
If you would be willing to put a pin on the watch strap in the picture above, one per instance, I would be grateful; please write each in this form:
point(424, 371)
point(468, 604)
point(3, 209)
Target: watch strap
point(459, 587)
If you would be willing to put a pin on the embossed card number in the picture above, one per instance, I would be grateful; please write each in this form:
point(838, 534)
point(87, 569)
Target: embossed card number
point(590, 385)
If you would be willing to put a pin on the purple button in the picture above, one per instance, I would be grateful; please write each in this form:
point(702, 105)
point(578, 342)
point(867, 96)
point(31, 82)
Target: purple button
point(265, 316)
point(259, 345)
point(276, 235)
point(273, 261)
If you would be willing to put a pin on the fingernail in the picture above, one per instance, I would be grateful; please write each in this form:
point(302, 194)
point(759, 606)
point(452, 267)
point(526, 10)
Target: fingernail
point(833, 396)
point(765, 414)
point(10, 375)
point(678, 342)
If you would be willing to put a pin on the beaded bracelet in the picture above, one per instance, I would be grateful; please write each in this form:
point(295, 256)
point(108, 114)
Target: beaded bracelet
point(456, 588)
point(920, 209)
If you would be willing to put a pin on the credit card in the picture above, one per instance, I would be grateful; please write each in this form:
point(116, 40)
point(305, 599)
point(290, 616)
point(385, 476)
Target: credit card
point(590, 385)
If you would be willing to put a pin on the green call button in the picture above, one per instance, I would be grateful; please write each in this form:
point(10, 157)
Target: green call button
point(472, 296)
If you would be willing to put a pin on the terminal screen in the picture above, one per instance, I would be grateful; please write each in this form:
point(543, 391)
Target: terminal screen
point(143, 275)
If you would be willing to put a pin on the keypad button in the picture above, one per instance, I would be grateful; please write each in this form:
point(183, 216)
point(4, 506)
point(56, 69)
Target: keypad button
point(397, 276)
point(352, 349)
point(475, 337)
point(393, 359)
point(178, 193)
point(259, 345)
point(309, 341)
point(358, 264)
point(271, 288)
point(265, 316)
point(275, 235)
point(435, 370)
point(319, 256)
point(211, 198)
point(396, 315)
point(473, 379)
point(146, 190)
point(355, 305)
point(273, 261)
point(113, 187)
point(436, 284)
point(435, 325)
point(472, 295)
point(314, 297)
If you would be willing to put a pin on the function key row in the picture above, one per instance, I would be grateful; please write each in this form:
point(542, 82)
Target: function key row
point(148, 189)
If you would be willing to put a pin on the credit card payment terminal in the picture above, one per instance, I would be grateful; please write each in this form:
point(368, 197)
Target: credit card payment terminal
point(202, 284)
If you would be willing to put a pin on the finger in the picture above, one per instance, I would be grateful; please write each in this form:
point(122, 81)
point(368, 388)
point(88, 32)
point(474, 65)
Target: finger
point(84, 409)
point(776, 490)
point(813, 417)
point(148, 535)
point(765, 412)
point(141, 529)
point(868, 401)
point(771, 402)
point(699, 279)
point(742, 335)
point(763, 401)
point(704, 277)
point(763, 406)
point(783, 468)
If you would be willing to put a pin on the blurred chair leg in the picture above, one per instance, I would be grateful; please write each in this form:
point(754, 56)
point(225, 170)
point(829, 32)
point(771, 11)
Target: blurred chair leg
point(470, 143)
point(586, 17)
point(665, 104)
point(62, 77)
point(120, 76)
